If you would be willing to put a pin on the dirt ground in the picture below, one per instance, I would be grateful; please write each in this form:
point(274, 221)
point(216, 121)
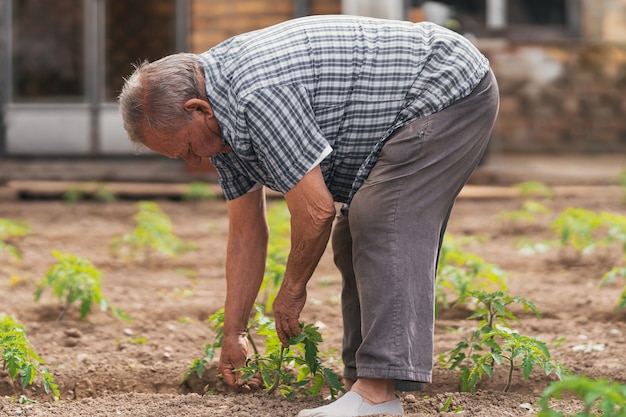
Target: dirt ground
point(106, 367)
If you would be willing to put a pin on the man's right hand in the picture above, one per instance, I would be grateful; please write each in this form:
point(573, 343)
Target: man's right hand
point(234, 355)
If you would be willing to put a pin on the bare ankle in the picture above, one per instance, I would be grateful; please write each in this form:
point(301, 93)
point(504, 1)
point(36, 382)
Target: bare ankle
point(374, 391)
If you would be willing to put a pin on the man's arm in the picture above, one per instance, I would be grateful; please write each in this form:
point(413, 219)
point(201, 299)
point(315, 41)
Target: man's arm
point(312, 212)
point(245, 266)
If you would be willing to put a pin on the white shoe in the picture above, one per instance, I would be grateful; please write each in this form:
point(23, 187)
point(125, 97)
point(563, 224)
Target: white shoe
point(352, 404)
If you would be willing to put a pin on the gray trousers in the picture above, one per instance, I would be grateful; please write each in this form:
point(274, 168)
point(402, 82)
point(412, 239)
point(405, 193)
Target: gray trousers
point(387, 245)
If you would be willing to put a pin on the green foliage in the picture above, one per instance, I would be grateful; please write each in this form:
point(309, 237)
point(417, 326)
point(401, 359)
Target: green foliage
point(600, 397)
point(578, 228)
point(495, 343)
point(10, 229)
point(76, 279)
point(460, 272)
point(612, 275)
point(291, 371)
point(77, 193)
point(104, 194)
point(19, 358)
point(153, 233)
point(198, 191)
point(527, 214)
point(277, 252)
point(534, 189)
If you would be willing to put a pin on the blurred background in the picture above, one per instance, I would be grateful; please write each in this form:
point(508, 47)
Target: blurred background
point(561, 65)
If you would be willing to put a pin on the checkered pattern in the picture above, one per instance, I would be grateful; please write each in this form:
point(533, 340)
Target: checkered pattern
point(285, 93)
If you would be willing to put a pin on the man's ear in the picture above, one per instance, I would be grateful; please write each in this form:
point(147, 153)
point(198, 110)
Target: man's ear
point(196, 104)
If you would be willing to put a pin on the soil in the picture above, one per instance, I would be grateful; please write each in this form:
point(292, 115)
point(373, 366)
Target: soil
point(106, 367)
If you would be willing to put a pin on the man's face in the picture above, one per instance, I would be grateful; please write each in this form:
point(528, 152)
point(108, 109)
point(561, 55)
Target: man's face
point(197, 139)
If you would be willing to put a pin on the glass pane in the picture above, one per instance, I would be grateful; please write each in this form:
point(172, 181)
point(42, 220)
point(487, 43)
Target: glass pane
point(136, 30)
point(48, 62)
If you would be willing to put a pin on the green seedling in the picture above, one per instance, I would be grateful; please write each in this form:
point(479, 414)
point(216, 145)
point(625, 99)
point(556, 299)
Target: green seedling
point(447, 407)
point(291, 371)
point(153, 233)
point(9, 230)
point(495, 343)
point(527, 214)
point(77, 193)
point(277, 252)
point(460, 272)
point(534, 189)
point(198, 191)
point(76, 279)
point(104, 194)
point(580, 228)
point(612, 275)
point(599, 397)
point(19, 358)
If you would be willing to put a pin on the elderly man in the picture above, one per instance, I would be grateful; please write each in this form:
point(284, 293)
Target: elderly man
point(389, 118)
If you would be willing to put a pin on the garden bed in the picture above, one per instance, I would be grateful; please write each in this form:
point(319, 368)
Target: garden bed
point(105, 366)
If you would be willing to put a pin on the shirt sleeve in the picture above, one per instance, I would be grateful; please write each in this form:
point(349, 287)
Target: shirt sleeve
point(277, 128)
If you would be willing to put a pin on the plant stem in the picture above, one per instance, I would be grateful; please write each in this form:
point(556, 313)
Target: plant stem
point(278, 366)
point(510, 378)
point(254, 348)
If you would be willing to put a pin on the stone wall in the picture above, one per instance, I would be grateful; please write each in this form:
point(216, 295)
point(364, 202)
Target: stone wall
point(561, 98)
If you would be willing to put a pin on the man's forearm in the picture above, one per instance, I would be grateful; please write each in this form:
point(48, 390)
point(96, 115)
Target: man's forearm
point(245, 267)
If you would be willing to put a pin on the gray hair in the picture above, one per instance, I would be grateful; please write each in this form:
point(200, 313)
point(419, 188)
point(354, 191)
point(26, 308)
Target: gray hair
point(153, 96)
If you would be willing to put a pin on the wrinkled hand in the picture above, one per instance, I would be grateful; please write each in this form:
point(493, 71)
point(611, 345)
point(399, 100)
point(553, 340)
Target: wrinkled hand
point(287, 308)
point(233, 356)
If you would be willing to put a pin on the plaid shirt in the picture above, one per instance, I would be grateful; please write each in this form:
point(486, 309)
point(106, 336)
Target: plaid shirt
point(285, 95)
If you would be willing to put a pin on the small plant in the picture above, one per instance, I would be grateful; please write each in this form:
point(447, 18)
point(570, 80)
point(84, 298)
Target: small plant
point(294, 370)
point(198, 191)
point(76, 279)
point(460, 272)
point(495, 343)
point(103, 194)
point(97, 192)
point(612, 275)
point(600, 397)
point(579, 228)
point(153, 233)
point(277, 253)
point(74, 194)
point(19, 358)
point(534, 189)
point(527, 214)
point(9, 230)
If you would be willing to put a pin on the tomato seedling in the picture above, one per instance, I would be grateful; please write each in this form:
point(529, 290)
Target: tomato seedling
point(600, 397)
point(293, 370)
point(277, 253)
point(76, 279)
point(9, 230)
point(460, 272)
point(495, 343)
point(154, 233)
point(19, 358)
point(198, 191)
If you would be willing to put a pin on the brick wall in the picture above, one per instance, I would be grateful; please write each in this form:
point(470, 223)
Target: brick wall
point(216, 20)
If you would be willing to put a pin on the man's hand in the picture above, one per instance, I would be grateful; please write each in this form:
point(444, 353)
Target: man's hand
point(287, 308)
point(234, 355)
